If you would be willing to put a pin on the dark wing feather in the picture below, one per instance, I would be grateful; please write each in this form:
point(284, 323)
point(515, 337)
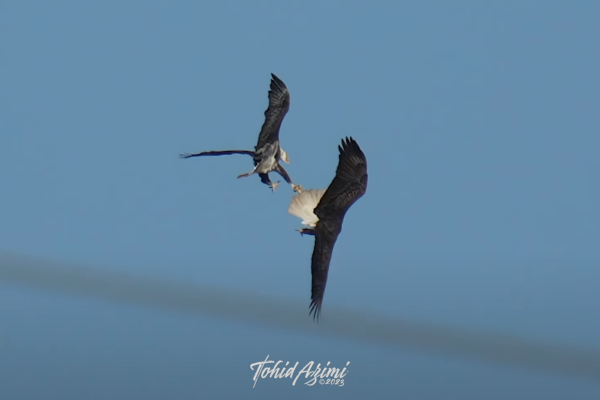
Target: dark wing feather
point(279, 104)
point(321, 258)
point(349, 184)
point(217, 153)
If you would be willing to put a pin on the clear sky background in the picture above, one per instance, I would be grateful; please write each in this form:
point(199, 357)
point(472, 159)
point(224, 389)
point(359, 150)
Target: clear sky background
point(480, 124)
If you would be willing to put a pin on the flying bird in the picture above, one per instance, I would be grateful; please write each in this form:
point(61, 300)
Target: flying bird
point(268, 151)
point(323, 211)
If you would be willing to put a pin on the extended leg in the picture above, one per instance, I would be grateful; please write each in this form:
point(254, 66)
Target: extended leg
point(264, 178)
point(247, 173)
point(281, 171)
point(306, 231)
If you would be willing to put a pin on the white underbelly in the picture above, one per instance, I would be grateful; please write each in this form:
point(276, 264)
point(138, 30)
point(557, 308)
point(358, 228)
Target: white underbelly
point(266, 165)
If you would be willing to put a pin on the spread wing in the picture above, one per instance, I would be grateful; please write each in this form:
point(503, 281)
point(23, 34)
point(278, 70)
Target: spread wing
point(217, 153)
point(321, 258)
point(279, 104)
point(349, 184)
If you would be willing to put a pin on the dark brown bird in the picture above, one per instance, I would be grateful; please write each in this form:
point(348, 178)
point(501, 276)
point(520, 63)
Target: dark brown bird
point(323, 210)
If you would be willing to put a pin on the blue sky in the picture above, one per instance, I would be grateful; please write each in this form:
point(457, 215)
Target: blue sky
point(480, 125)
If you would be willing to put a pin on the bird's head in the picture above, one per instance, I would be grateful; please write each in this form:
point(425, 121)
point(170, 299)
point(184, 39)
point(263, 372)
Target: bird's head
point(284, 156)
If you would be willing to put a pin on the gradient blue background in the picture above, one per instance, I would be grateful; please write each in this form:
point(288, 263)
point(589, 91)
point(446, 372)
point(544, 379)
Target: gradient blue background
point(480, 124)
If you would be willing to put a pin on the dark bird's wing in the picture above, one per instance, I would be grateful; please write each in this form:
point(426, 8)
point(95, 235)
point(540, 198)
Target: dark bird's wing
point(321, 258)
point(279, 104)
point(217, 153)
point(349, 184)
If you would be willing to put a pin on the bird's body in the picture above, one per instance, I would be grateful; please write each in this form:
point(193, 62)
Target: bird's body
point(267, 152)
point(323, 211)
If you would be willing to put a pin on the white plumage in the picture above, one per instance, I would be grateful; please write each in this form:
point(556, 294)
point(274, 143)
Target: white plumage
point(303, 206)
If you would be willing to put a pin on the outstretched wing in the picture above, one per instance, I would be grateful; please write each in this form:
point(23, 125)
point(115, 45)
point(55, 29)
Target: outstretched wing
point(279, 104)
point(321, 258)
point(349, 184)
point(217, 153)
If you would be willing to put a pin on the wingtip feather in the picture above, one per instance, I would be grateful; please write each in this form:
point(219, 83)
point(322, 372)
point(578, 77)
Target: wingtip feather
point(277, 83)
point(315, 309)
point(347, 143)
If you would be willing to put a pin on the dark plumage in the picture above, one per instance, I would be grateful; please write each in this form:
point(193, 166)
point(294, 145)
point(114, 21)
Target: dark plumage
point(323, 210)
point(268, 151)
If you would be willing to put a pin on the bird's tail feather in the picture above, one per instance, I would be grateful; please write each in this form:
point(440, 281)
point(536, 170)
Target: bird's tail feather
point(303, 206)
